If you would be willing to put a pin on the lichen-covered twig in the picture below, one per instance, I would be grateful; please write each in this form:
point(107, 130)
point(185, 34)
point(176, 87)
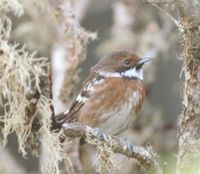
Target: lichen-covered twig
point(20, 72)
point(142, 155)
point(77, 40)
point(176, 22)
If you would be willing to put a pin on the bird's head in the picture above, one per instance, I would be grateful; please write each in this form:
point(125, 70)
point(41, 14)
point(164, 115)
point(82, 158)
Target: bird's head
point(121, 64)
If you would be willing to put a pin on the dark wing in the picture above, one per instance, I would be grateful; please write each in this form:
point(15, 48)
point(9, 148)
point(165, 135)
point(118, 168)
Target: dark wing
point(72, 115)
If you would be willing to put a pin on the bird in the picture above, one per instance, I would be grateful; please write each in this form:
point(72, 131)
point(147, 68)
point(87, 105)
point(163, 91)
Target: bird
point(112, 95)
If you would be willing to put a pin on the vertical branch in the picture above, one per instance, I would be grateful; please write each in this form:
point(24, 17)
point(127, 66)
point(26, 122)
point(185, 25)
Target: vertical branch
point(31, 109)
point(189, 126)
point(68, 53)
point(50, 84)
point(77, 39)
point(189, 140)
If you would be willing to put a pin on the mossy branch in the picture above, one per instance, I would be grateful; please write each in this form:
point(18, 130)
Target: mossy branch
point(189, 135)
point(189, 125)
point(144, 156)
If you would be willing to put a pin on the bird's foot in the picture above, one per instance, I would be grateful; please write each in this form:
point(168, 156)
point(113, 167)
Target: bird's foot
point(97, 132)
point(127, 145)
point(100, 134)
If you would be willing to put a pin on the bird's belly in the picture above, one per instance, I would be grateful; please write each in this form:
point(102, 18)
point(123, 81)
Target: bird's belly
point(117, 124)
point(117, 121)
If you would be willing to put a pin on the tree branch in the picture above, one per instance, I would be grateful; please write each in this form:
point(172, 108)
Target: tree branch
point(189, 126)
point(50, 84)
point(144, 156)
point(189, 140)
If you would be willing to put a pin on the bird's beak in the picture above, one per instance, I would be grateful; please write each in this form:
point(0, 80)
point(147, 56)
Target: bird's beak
point(144, 60)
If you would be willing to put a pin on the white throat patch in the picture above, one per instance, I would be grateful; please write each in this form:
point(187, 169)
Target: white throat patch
point(133, 73)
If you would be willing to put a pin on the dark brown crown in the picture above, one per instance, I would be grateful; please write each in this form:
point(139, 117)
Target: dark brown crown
point(118, 61)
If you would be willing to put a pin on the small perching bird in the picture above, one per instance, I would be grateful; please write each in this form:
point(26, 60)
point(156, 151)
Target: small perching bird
point(112, 95)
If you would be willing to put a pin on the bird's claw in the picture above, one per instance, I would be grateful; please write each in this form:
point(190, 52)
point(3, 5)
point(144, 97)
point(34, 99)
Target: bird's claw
point(128, 145)
point(96, 132)
point(100, 134)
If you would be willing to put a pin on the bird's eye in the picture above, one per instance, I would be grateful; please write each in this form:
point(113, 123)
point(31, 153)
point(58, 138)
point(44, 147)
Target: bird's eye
point(126, 62)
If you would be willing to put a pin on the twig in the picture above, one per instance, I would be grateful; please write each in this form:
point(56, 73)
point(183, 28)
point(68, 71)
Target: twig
point(50, 84)
point(31, 109)
point(176, 22)
point(143, 156)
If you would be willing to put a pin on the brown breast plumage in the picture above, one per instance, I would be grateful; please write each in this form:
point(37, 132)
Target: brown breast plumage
point(112, 101)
